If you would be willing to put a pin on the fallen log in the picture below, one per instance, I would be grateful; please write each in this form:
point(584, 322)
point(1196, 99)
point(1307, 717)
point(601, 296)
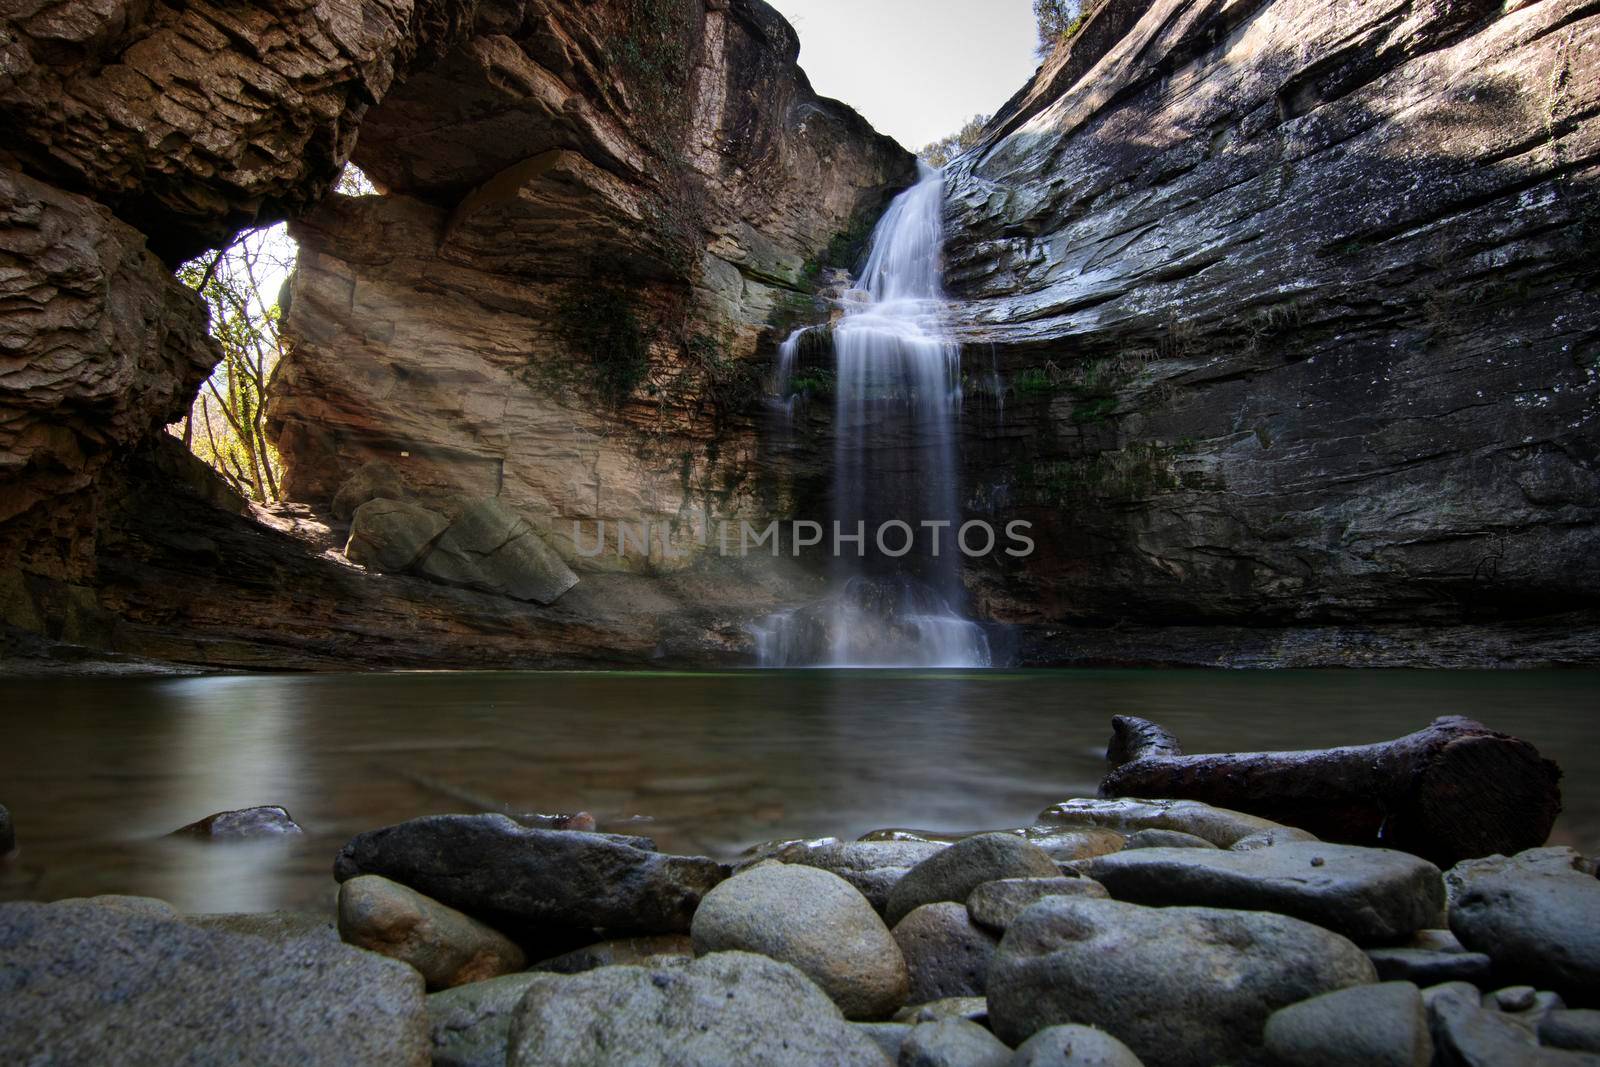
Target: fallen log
point(1456, 790)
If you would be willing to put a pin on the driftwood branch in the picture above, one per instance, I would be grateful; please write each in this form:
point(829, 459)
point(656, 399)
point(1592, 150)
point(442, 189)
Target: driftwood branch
point(1453, 791)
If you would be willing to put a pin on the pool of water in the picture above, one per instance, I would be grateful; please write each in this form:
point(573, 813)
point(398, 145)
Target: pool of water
point(96, 771)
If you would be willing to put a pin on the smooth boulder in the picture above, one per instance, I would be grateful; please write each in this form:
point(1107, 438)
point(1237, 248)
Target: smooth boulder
point(538, 887)
point(996, 904)
point(954, 872)
point(874, 867)
point(447, 947)
point(491, 548)
point(725, 1008)
point(81, 979)
point(1366, 894)
point(815, 921)
point(388, 536)
point(470, 1025)
point(1381, 1025)
point(946, 954)
point(952, 1043)
point(1536, 915)
point(1073, 1046)
point(1184, 987)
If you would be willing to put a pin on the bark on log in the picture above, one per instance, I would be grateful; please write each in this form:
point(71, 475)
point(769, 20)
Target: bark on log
point(1456, 790)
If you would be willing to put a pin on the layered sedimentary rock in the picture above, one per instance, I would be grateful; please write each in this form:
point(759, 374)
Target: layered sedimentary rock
point(1295, 309)
point(595, 216)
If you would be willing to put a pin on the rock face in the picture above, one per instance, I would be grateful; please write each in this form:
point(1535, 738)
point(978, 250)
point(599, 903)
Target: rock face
point(83, 979)
point(1180, 986)
point(1300, 281)
point(816, 922)
point(447, 947)
point(535, 885)
point(1367, 894)
point(594, 217)
point(730, 1007)
point(1536, 916)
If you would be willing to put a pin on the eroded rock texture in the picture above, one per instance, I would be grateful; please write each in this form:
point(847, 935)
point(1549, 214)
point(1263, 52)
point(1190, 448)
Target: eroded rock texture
point(1296, 306)
point(596, 214)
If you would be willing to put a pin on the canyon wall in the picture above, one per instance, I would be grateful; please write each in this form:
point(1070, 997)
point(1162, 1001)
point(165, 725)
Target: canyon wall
point(1294, 306)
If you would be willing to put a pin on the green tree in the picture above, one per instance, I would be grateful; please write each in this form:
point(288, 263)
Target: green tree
point(947, 148)
point(226, 427)
point(1059, 20)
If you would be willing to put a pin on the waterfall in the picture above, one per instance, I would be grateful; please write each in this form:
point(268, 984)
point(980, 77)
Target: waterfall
point(897, 397)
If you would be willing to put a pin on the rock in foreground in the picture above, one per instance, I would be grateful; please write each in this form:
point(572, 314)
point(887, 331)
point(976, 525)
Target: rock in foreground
point(953, 873)
point(447, 947)
point(1366, 894)
point(1182, 987)
point(726, 1008)
point(82, 980)
point(947, 954)
point(1378, 1025)
point(538, 885)
point(815, 921)
point(1073, 1046)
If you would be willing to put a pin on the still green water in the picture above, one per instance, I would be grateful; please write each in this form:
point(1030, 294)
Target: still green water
point(96, 771)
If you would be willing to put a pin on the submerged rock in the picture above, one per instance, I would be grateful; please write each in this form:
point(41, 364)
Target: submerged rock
point(535, 885)
point(447, 947)
point(953, 873)
point(388, 536)
point(945, 953)
point(1366, 894)
point(1536, 915)
point(490, 547)
point(267, 821)
point(952, 1043)
point(725, 1008)
point(1181, 986)
point(84, 983)
point(815, 921)
point(1381, 1025)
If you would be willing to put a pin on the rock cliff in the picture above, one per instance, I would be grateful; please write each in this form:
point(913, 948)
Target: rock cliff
point(1294, 306)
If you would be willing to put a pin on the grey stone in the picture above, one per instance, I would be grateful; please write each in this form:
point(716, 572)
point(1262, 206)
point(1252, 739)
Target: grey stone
point(1466, 1034)
point(1278, 835)
point(887, 1036)
point(470, 1025)
point(1511, 998)
point(1366, 894)
point(1536, 915)
point(490, 547)
point(273, 925)
point(618, 952)
point(972, 1009)
point(946, 954)
point(152, 906)
point(725, 1008)
point(952, 1043)
point(372, 481)
point(996, 904)
point(1426, 967)
point(815, 921)
point(1068, 845)
point(871, 866)
point(445, 946)
point(1152, 838)
point(1364, 1026)
point(539, 887)
point(1073, 1046)
point(388, 536)
point(1185, 987)
point(1577, 1029)
point(1220, 826)
point(80, 980)
point(954, 872)
point(247, 824)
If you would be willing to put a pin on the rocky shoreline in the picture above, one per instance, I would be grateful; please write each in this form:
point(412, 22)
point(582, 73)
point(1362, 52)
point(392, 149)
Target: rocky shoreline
point(1110, 932)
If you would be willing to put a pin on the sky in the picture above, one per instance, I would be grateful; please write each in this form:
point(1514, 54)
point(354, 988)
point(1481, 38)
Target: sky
point(916, 69)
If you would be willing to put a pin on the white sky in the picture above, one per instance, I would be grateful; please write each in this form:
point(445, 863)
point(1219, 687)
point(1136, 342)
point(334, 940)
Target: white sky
point(916, 69)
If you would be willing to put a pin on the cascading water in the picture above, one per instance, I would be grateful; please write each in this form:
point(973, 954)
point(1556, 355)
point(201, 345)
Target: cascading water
point(897, 388)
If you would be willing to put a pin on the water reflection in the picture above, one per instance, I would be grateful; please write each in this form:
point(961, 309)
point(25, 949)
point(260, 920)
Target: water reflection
point(95, 771)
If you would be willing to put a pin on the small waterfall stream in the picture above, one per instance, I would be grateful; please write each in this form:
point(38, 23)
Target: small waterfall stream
point(897, 397)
